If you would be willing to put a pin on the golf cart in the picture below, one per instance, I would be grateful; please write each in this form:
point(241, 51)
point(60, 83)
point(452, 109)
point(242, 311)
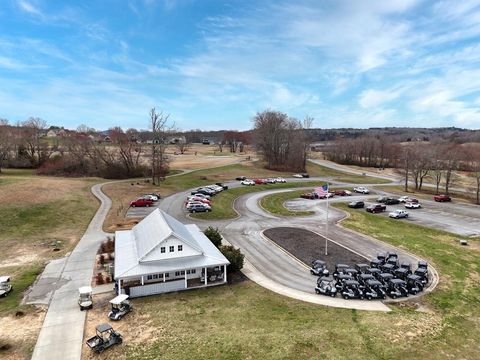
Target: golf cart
point(397, 288)
point(422, 264)
point(120, 307)
point(104, 338)
point(341, 279)
point(382, 257)
point(363, 278)
point(352, 272)
point(340, 269)
point(351, 290)
point(374, 290)
point(414, 284)
point(373, 271)
point(406, 265)
point(376, 263)
point(423, 273)
point(85, 298)
point(385, 278)
point(387, 268)
point(326, 286)
point(5, 286)
point(362, 268)
point(401, 273)
point(319, 268)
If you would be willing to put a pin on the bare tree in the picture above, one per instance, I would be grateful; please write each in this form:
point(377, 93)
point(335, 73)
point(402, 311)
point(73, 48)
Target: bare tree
point(182, 145)
point(36, 151)
point(160, 128)
point(5, 142)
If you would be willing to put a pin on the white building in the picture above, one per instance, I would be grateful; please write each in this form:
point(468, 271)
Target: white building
point(160, 254)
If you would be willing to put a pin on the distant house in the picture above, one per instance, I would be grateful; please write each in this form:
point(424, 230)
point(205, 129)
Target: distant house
point(52, 133)
point(160, 254)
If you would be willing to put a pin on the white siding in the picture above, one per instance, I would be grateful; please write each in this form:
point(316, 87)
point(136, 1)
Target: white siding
point(157, 288)
point(157, 254)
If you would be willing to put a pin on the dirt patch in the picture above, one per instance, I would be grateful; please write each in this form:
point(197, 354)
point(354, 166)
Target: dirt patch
point(308, 246)
point(18, 334)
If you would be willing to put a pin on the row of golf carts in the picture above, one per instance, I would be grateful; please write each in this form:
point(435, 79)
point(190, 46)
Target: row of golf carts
point(383, 277)
point(105, 336)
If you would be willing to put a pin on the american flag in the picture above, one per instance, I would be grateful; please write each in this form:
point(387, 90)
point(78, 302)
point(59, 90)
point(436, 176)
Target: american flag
point(322, 191)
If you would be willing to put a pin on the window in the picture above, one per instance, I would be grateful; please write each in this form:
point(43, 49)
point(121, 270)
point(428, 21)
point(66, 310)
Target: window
point(155, 276)
point(177, 273)
point(180, 247)
point(172, 248)
point(194, 271)
point(167, 275)
point(149, 277)
point(188, 271)
point(162, 249)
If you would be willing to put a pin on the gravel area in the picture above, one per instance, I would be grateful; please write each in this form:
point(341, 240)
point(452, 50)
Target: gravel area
point(308, 246)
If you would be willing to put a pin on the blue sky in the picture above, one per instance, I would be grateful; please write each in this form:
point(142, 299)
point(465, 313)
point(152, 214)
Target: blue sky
point(214, 64)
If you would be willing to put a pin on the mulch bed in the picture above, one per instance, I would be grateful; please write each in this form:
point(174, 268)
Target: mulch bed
point(308, 246)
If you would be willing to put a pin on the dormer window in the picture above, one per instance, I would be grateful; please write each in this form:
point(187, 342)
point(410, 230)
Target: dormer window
point(162, 249)
point(180, 247)
point(172, 248)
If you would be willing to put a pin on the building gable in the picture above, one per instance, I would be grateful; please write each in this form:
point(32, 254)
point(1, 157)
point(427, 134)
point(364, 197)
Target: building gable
point(171, 248)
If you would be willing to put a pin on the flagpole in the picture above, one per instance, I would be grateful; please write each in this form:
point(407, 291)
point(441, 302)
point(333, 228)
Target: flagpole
point(326, 224)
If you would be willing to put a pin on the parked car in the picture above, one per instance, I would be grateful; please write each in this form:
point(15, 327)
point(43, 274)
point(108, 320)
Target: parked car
point(281, 180)
point(391, 201)
point(376, 208)
point(155, 194)
point(141, 203)
point(5, 286)
point(361, 189)
point(260, 181)
point(442, 198)
point(203, 191)
point(194, 208)
point(407, 199)
point(397, 288)
point(248, 182)
point(342, 193)
point(398, 214)
point(150, 197)
point(413, 205)
point(241, 178)
point(310, 196)
point(326, 286)
point(224, 187)
point(382, 199)
point(215, 188)
point(356, 204)
point(270, 181)
point(198, 199)
point(351, 290)
point(208, 197)
point(105, 337)
point(301, 175)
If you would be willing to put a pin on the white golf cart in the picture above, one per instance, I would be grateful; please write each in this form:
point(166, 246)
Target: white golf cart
point(85, 297)
point(120, 307)
point(5, 286)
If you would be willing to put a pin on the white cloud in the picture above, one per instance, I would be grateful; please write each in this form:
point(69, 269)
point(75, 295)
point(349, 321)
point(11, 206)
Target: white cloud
point(374, 98)
point(29, 8)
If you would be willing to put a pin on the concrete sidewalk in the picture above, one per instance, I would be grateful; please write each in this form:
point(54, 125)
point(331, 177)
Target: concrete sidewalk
point(61, 336)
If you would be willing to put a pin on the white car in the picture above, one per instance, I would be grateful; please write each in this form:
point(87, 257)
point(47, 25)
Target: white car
point(202, 196)
point(280, 180)
point(215, 188)
point(397, 214)
point(192, 204)
point(248, 182)
point(413, 205)
point(150, 197)
point(297, 175)
point(404, 199)
point(348, 192)
point(361, 189)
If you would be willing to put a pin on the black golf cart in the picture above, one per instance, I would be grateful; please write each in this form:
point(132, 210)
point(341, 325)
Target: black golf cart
point(351, 290)
point(423, 274)
point(385, 278)
point(326, 286)
point(341, 279)
point(387, 268)
point(401, 273)
point(374, 290)
point(362, 268)
point(340, 269)
point(397, 288)
point(407, 266)
point(104, 338)
point(414, 284)
point(363, 278)
point(373, 271)
point(376, 263)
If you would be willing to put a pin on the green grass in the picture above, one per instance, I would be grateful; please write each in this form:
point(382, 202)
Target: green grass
point(17, 172)
point(335, 175)
point(21, 277)
point(222, 204)
point(274, 203)
point(457, 298)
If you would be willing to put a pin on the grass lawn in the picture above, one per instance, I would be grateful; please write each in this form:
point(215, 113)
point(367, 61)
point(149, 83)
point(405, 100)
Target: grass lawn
point(335, 175)
point(222, 204)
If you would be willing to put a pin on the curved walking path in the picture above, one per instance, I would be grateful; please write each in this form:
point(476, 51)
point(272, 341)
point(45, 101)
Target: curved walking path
point(61, 336)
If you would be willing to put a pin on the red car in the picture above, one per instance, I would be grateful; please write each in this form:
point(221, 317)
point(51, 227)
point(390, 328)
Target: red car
point(260, 181)
point(442, 198)
point(310, 196)
point(141, 203)
point(376, 208)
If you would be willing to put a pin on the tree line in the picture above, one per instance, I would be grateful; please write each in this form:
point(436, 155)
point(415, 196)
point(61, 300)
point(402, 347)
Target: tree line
point(439, 161)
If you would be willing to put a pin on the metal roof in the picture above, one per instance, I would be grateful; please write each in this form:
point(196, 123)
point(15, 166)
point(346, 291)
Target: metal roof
point(4, 279)
point(117, 300)
point(134, 249)
point(103, 327)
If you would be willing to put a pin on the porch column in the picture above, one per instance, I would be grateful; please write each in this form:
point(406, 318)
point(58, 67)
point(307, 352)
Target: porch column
point(205, 276)
point(142, 281)
point(185, 279)
point(224, 273)
point(163, 277)
point(119, 286)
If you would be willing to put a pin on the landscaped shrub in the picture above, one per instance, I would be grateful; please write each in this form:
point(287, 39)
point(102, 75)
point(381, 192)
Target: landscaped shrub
point(214, 235)
point(233, 255)
point(99, 279)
